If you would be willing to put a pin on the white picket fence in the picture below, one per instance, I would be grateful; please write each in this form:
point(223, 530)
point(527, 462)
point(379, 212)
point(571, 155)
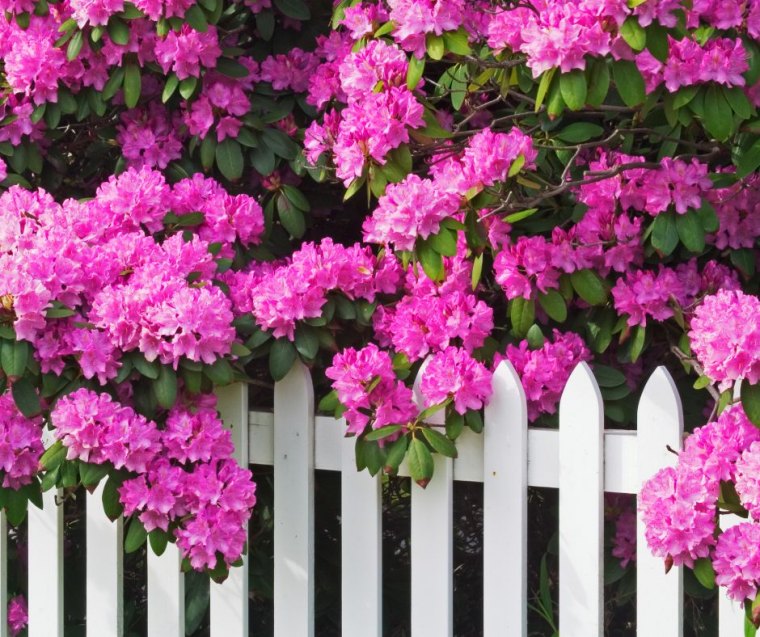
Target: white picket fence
point(581, 458)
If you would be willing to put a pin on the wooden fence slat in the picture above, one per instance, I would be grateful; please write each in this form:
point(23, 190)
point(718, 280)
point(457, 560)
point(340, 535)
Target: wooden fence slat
point(581, 506)
point(361, 547)
point(294, 504)
point(505, 507)
point(104, 555)
point(45, 564)
point(229, 600)
point(659, 601)
point(166, 594)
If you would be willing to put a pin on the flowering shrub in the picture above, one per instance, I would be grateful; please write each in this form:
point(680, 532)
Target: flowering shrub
point(390, 192)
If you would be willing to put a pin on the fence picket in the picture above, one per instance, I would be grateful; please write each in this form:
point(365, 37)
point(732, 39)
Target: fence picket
point(659, 601)
point(581, 506)
point(229, 600)
point(362, 564)
point(294, 504)
point(166, 594)
point(45, 563)
point(505, 507)
point(105, 540)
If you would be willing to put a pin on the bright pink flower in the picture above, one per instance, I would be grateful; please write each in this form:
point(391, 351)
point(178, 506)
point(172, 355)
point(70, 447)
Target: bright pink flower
point(737, 561)
point(454, 374)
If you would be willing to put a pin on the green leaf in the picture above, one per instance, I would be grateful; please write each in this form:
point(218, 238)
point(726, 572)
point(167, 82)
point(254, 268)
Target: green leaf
point(637, 343)
point(383, 432)
point(608, 376)
point(172, 82)
point(196, 18)
point(629, 82)
point(744, 260)
point(718, 117)
point(296, 197)
point(282, 355)
point(553, 303)
point(136, 536)
point(690, 231)
point(208, 151)
point(54, 455)
point(149, 370)
point(187, 87)
point(421, 463)
point(704, 572)
point(14, 357)
point(15, 506)
point(280, 144)
point(220, 372)
point(439, 442)
point(307, 341)
point(414, 72)
point(165, 387)
point(75, 46)
point(750, 395)
point(158, 541)
point(132, 85)
point(118, 31)
point(664, 233)
point(474, 421)
point(543, 86)
point(738, 101)
point(265, 25)
point(296, 9)
point(657, 41)
point(633, 33)
point(457, 42)
point(92, 474)
point(431, 260)
point(229, 159)
point(749, 160)
point(477, 271)
point(26, 398)
point(522, 313)
point(535, 337)
point(111, 504)
point(598, 82)
point(395, 453)
point(589, 286)
point(574, 90)
point(579, 132)
point(291, 218)
point(436, 47)
point(454, 425)
point(329, 403)
point(684, 95)
point(445, 242)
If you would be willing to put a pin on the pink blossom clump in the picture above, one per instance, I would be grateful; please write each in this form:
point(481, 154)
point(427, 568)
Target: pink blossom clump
point(736, 561)
point(148, 137)
point(677, 507)
point(20, 444)
point(411, 209)
point(624, 540)
point(416, 18)
point(96, 429)
point(544, 371)
point(453, 374)
point(18, 615)
point(367, 386)
point(725, 337)
point(187, 50)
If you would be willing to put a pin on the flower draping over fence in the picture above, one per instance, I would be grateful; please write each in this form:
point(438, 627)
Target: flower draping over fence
point(197, 193)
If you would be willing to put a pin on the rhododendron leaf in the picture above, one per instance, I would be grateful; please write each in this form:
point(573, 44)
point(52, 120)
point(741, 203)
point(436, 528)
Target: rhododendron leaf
point(229, 159)
point(543, 86)
point(132, 85)
point(704, 572)
point(454, 424)
point(664, 233)
point(113, 84)
point(535, 337)
point(112, 506)
point(430, 259)
point(196, 18)
point(420, 461)
point(69, 474)
point(477, 271)
point(445, 242)
point(394, 454)
point(414, 72)
point(684, 95)
point(16, 504)
point(744, 260)
point(629, 82)
point(135, 537)
point(258, 338)
point(280, 143)
point(589, 286)
point(718, 115)
point(307, 341)
point(748, 161)
point(522, 313)
point(608, 376)
point(172, 82)
point(598, 80)
point(231, 68)
point(657, 41)
point(435, 45)
point(26, 398)
point(296, 9)
point(750, 397)
point(329, 403)
point(574, 89)
point(159, 539)
point(633, 33)
point(457, 41)
point(433, 128)
point(702, 382)
point(580, 132)
point(690, 231)
point(282, 355)
point(555, 103)
point(147, 369)
point(118, 31)
point(291, 218)
point(263, 160)
point(50, 479)
point(554, 305)
point(131, 12)
point(474, 421)
point(14, 356)
point(707, 217)
point(220, 372)
point(75, 45)
point(636, 343)
point(738, 101)
point(165, 387)
point(752, 75)
point(54, 455)
point(382, 432)
point(92, 474)
point(439, 442)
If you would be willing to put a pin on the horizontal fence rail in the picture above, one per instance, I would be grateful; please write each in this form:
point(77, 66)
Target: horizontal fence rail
point(580, 458)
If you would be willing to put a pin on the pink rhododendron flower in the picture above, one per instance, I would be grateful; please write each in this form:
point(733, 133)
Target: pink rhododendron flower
point(737, 561)
point(624, 540)
point(18, 615)
point(20, 444)
point(454, 374)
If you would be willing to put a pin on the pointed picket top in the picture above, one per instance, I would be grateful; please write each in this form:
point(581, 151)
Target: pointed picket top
point(505, 507)
point(659, 423)
point(581, 387)
point(439, 417)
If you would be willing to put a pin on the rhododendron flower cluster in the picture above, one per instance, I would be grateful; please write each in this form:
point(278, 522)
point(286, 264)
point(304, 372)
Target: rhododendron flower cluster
point(184, 474)
point(20, 444)
point(18, 615)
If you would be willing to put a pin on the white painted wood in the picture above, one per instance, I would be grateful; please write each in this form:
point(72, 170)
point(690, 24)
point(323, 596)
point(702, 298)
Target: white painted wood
point(581, 506)
point(166, 594)
point(361, 547)
point(105, 593)
point(45, 563)
point(229, 600)
point(294, 504)
point(659, 609)
point(730, 613)
point(505, 507)
point(3, 575)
